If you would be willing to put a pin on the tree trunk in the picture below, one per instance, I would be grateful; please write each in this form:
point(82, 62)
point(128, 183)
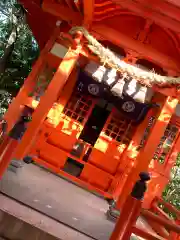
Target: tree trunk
point(8, 50)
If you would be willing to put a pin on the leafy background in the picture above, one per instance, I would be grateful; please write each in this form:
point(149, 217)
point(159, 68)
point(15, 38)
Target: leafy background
point(23, 52)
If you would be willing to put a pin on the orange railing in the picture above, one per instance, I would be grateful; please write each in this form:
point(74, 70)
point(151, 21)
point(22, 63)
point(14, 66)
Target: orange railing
point(168, 225)
point(155, 208)
point(126, 224)
point(161, 213)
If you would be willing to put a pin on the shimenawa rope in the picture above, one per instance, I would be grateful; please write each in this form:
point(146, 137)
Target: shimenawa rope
point(109, 58)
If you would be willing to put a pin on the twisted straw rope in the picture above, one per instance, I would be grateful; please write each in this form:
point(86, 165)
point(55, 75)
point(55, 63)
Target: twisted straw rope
point(131, 72)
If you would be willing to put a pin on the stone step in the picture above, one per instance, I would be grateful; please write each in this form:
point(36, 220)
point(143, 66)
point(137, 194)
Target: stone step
point(18, 221)
point(12, 228)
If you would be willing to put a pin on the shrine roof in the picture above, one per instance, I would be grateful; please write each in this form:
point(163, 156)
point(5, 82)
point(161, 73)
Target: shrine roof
point(146, 29)
point(154, 24)
point(165, 13)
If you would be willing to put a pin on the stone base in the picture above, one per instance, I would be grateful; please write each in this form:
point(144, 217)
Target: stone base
point(15, 165)
point(112, 214)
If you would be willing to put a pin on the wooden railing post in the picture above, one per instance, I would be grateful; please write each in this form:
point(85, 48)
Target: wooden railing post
point(11, 142)
point(50, 96)
point(19, 150)
point(146, 154)
point(15, 109)
point(131, 210)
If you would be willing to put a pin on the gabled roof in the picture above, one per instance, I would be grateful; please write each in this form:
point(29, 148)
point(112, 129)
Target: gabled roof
point(147, 29)
point(154, 24)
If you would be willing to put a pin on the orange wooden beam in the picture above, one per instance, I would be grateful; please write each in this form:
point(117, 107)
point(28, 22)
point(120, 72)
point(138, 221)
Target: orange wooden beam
point(158, 18)
point(62, 12)
point(131, 153)
point(171, 91)
point(128, 217)
point(142, 50)
point(88, 9)
point(145, 155)
point(70, 4)
point(161, 7)
point(7, 155)
point(174, 2)
point(168, 206)
point(145, 235)
point(47, 100)
point(170, 225)
point(16, 106)
point(158, 228)
point(159, 211)
point(171, 161)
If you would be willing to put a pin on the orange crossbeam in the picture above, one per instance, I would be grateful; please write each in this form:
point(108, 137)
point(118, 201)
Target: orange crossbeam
point(158, 18)
point(143, 160)
point(159, 211)
point(70, 4)
point(141, 233)
point(124, 41)
point(166, 223)
point(15, 108)
point(161, 6)
point(62, 12)
point(168, 205)
point(51, 95)
point(174, 2)
point(128, 217)
point(88, 7)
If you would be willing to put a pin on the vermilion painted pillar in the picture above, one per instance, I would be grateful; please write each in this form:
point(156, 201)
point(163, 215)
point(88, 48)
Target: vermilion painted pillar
point(6, 155)
point(16, 106)
point(128, 217)
point(131, 210)
point(145, 155)
point(171, 160)
point(129, 156)
point(47, 100)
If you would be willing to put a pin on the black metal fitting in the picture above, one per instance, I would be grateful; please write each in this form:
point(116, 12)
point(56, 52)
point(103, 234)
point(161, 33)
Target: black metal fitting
point(140, 186)
point(20, 127)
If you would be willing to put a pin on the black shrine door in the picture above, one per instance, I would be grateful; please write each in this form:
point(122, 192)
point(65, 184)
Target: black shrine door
point(94, 124)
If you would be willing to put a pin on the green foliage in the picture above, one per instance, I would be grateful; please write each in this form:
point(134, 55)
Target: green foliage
point(172, 192)
point(22, 54)
point(19, 65)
